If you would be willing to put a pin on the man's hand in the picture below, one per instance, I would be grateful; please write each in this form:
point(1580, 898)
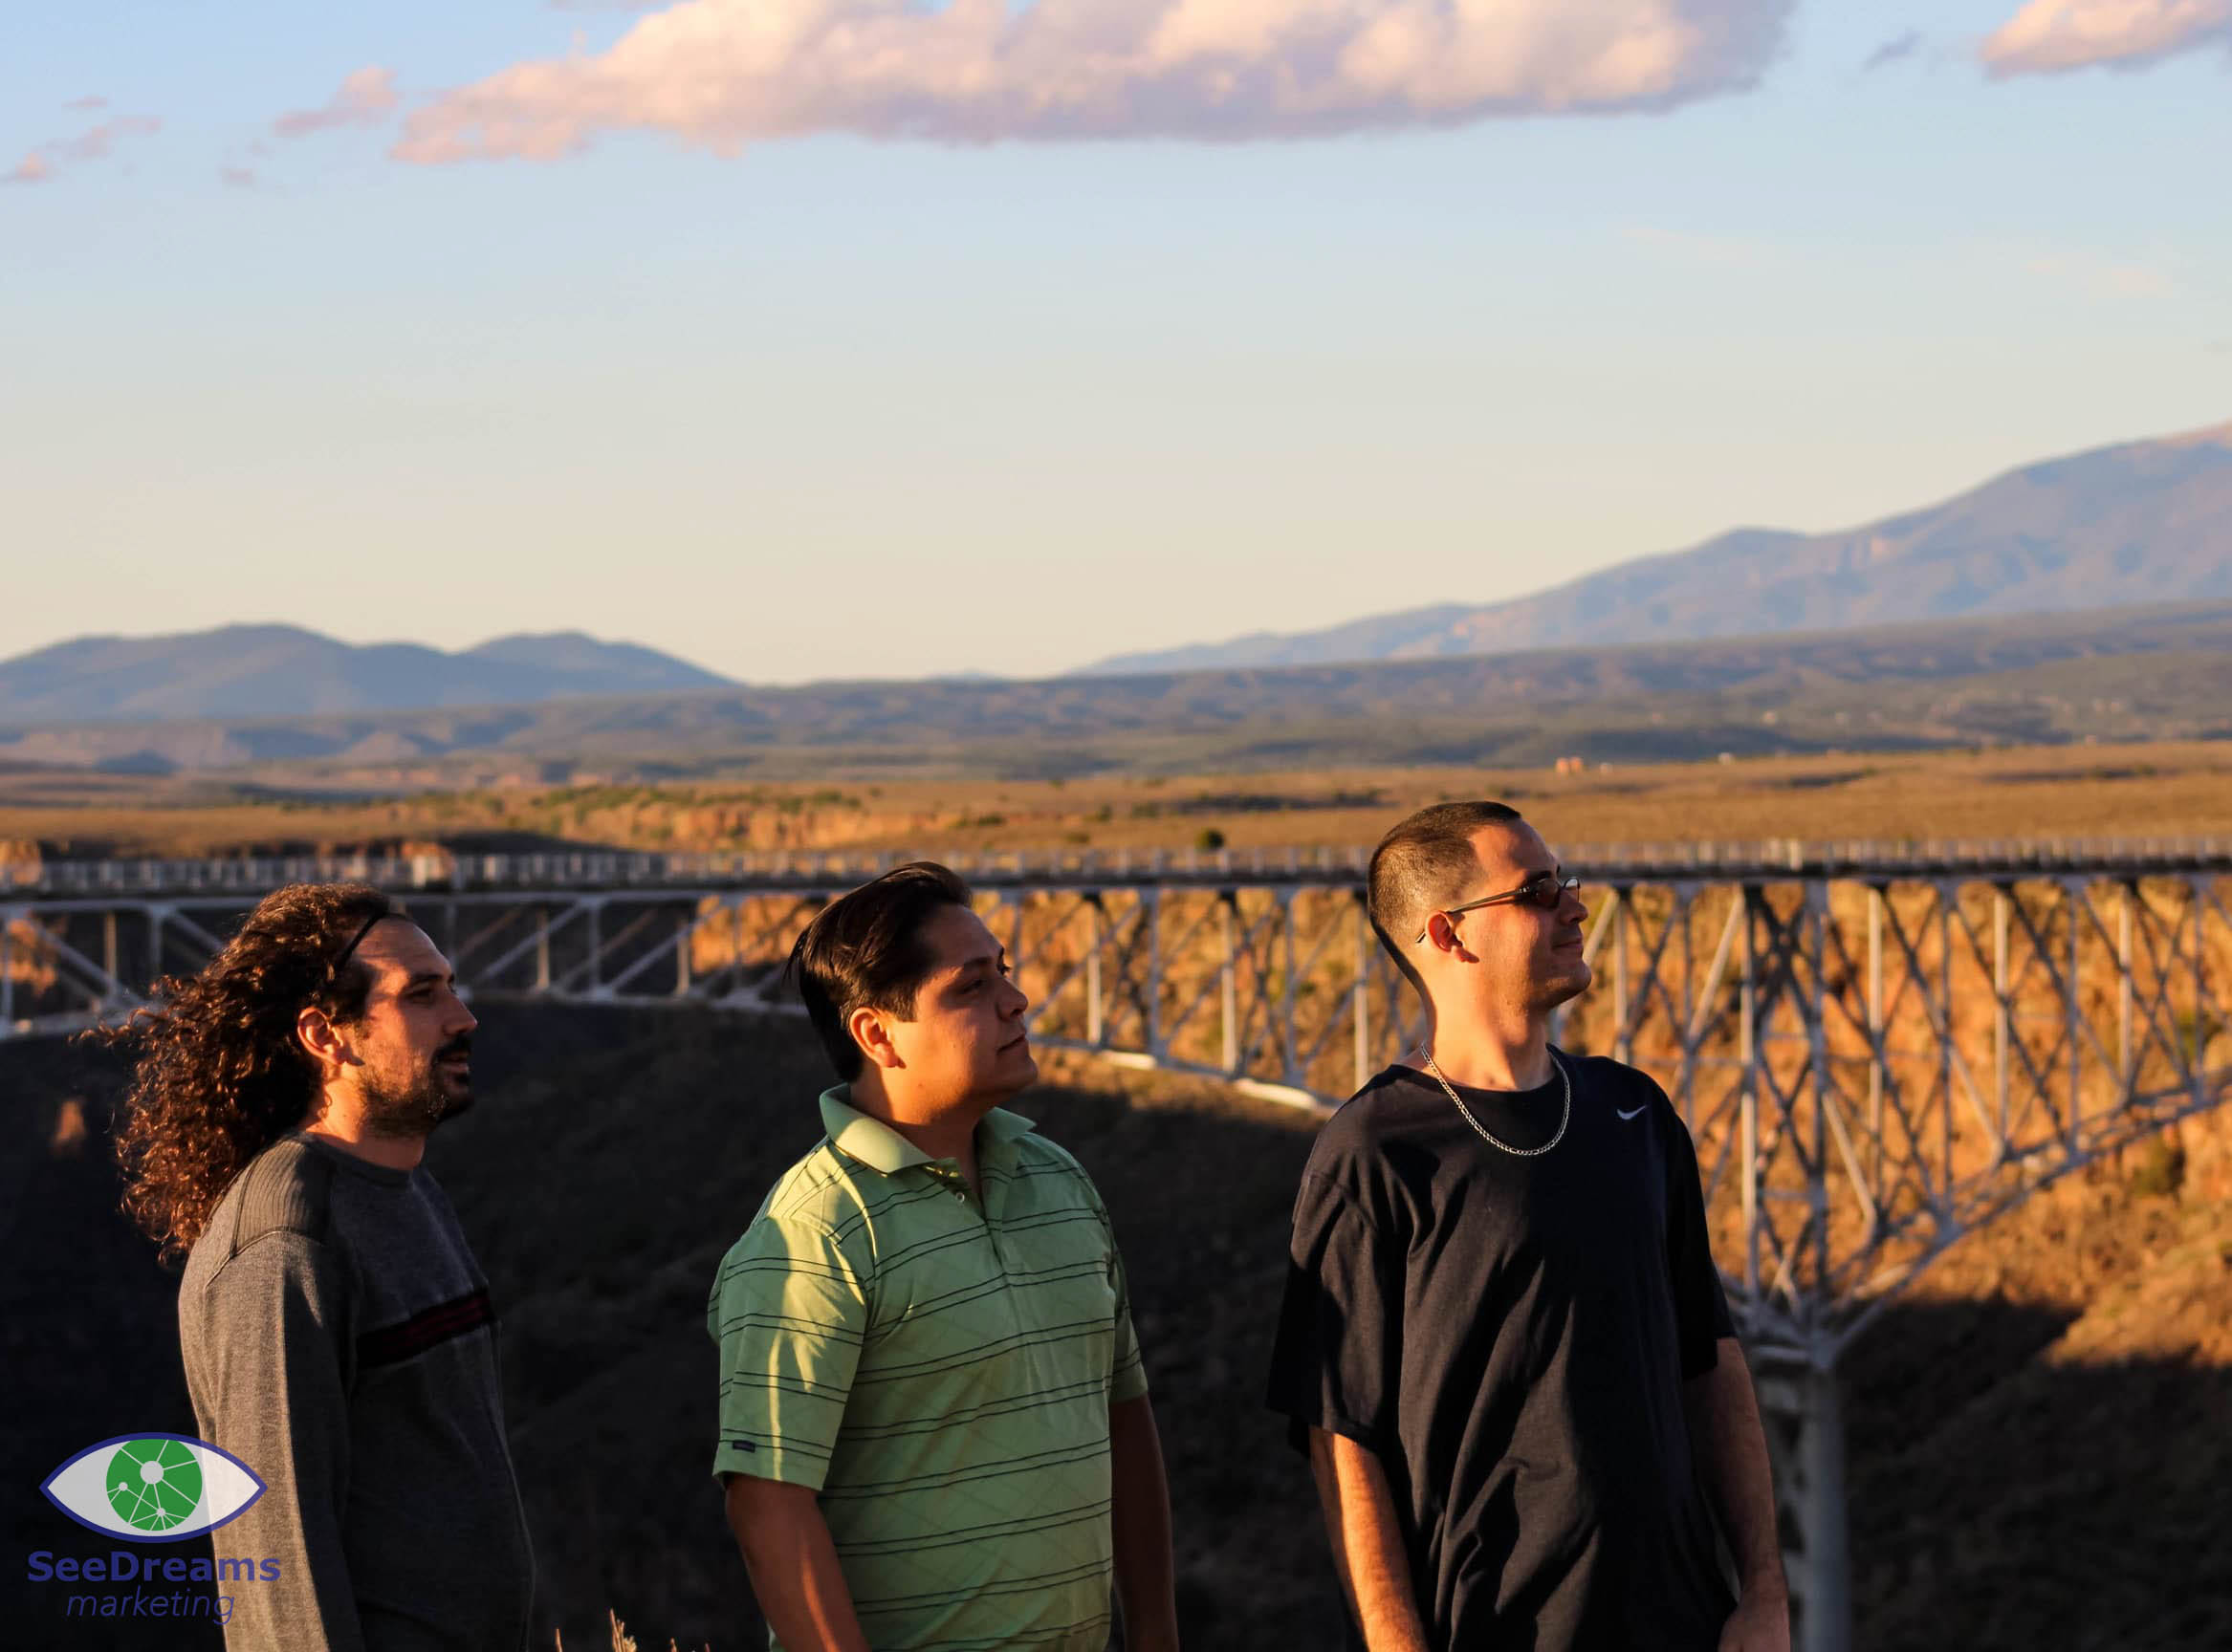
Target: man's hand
point(1759, 1623)
point(1724, 1424)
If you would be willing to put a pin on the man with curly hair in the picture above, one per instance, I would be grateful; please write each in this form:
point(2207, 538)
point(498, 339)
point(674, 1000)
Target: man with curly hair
point(336, 1331)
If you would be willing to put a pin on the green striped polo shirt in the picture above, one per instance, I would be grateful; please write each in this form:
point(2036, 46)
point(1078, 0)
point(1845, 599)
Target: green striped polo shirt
point(940, 1372)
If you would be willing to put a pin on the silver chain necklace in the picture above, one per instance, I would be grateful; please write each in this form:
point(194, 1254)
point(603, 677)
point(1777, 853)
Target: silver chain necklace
point(1565, 1117)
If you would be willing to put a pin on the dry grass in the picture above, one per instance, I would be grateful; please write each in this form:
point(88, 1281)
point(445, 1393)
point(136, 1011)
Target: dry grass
point(622, 1639)
point(2081, 791)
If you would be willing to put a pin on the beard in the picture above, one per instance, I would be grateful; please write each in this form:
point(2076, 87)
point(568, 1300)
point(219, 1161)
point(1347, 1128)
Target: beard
point(1565, 983)
point(413, 1105)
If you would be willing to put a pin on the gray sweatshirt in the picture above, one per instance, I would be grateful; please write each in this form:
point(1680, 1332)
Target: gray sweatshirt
point(339, 1340)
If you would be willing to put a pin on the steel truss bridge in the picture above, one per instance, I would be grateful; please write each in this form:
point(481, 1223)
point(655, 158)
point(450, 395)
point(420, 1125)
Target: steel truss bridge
point(1878, 1048)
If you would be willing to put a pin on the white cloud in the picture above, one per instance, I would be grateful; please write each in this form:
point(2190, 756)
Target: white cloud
point(365, 98)
point(725, 73)
point(2051, 36)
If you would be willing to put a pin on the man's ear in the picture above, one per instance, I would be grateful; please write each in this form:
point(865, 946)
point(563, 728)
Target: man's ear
point(317, 1033)
point(1442, 936)
point(871, 1031)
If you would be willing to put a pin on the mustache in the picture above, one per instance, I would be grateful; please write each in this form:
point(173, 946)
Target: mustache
point(461, 1044)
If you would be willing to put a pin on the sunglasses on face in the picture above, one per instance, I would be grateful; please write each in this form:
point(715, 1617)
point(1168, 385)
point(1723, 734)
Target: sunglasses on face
point(1545, 890)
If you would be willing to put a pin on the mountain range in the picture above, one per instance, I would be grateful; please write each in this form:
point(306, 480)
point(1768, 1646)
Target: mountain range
point(2142, 522)
point(271, 670)
point(2128, 674)
point(2087, 595)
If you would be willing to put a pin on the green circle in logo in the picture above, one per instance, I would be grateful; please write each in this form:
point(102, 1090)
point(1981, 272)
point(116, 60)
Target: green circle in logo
point(154, 1485)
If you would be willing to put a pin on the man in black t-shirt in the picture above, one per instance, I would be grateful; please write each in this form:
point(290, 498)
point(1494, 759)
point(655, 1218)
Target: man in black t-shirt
point(1503, 1338)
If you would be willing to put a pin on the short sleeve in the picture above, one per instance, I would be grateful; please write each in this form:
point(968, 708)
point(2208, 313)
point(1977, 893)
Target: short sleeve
point(1701, 1317)
point(1126, 1368)
point(1334, 1357)
point(789, 1312)
point(1128, 1371)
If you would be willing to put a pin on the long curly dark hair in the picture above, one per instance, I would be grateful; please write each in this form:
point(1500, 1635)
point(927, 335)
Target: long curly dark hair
point(220, 1074)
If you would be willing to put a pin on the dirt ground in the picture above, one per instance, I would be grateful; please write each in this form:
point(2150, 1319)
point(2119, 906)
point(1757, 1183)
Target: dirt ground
point(2041, 1434)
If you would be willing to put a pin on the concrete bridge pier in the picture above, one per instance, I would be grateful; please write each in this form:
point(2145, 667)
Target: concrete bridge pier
point(1802, 1407)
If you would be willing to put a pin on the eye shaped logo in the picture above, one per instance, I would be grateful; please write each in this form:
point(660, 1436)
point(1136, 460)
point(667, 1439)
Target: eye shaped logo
point(153, 1487)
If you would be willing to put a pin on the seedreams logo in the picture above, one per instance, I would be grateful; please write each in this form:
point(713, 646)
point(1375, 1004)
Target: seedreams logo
point(153, 1487)
point(150, 1489)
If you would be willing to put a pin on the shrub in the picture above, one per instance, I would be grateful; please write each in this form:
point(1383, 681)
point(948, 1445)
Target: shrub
point(2162, 1170)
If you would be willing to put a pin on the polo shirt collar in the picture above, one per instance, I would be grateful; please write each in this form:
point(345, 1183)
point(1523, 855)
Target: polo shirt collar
point(882, 1148)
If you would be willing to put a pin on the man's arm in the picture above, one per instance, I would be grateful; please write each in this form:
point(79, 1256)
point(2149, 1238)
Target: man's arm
point(273, 1334)
point(793, 1563)
point(789, 1313)
point(1724, 1423)
point(1368, 1543)
point(1142, 1528)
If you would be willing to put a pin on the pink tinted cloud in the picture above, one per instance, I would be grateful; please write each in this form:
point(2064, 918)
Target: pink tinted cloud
point(365, 98)
point(94, 143)
point(91, 100)
point(238, 177)
point(99, 142)
point(2049, 36)
point(722, 74)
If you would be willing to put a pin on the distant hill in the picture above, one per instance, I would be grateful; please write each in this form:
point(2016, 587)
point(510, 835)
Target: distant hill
point(2144, 522)
point(267, 670)
point(2128, 674)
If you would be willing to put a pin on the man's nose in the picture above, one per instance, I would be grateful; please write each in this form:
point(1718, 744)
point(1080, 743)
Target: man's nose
point(1018, 1000)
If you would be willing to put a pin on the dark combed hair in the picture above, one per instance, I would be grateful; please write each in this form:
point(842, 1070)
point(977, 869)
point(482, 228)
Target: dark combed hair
point(1422, 865)
point(220, 1074)
point(863, 952)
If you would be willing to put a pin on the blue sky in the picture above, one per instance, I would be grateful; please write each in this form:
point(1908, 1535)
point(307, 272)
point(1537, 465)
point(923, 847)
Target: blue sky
point(838, 338)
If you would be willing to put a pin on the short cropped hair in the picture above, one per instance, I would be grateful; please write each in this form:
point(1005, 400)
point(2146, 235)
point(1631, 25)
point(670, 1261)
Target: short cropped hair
point(863, 952)
point(1423, 865)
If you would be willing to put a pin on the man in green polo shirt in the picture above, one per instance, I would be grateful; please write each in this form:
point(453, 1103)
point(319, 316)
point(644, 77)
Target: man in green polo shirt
point(935, 1428)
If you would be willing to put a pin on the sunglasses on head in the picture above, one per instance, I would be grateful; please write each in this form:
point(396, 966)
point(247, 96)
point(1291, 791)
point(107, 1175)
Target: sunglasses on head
point(1545, 890)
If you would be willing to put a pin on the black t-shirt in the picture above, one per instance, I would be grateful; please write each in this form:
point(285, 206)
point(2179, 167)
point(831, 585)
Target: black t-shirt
point(1510, 1336)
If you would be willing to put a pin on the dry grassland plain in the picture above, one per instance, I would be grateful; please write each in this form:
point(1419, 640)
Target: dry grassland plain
point(2146, 791)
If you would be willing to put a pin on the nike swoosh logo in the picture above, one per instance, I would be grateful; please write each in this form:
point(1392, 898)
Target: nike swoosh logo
point(1637, 1114)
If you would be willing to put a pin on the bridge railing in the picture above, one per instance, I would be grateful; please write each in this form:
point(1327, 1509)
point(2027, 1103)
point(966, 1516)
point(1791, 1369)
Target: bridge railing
point(611, 869)
point(602, 869)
